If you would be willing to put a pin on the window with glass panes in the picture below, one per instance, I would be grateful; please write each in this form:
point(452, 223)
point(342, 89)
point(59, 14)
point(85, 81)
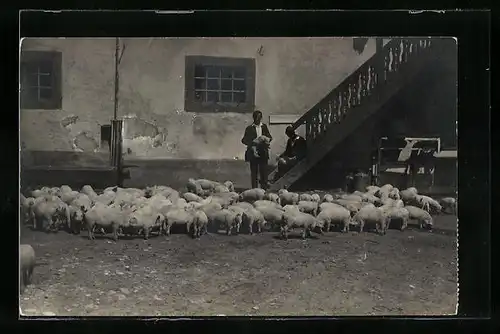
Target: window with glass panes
point(40, 80)
point(219, 84)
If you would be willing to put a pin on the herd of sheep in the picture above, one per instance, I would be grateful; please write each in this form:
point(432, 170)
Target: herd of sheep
point(209, 205)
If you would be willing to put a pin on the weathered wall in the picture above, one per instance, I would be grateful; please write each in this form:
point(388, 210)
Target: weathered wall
point(87, 90)
point(292, 74)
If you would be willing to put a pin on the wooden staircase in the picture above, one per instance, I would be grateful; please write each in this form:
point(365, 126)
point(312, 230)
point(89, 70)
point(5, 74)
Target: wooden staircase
point(359, 96)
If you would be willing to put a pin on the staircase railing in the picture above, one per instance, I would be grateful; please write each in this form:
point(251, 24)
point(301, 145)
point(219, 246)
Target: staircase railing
point(360, 85)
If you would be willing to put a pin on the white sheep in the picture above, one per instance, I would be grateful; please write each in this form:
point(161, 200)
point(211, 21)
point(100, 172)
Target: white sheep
point(210, 209)
point(272, 215)
point(224, 201)
point(87, 190)
point(220, 188)
point(372, 189)
point(106, 198)
point(371, 216)
point(427, 203)
point(200, 223)
point(289, 207)
point(272, 197)
point(305, 197)
point(353, 206)
point(287, 197)
point(335, 215)
point(228, 197)
point(26, 265)
point(394, 213)
point(106, 218)
point(384, 191)
point(76, 220)
point(228, 219)
point(178, 216)
point(252, 195)
point(65, 189)
point(229, 185)
point(408, 195)
point(194, 187)
point(423, 217)
point(39, 193)
point(26, 211)
point(69, 196)
point(328, 198)
point(267, 203)
point(352, 198)
point(302, 220)
point(191, 197)
point(146, 221)
point(316, 198)
point(309, 207)
point(244, 205)
point(250, 216)
point(327, 205)
point(368, 197)
point(394, 194)
point(449, 204)
point(49, 215)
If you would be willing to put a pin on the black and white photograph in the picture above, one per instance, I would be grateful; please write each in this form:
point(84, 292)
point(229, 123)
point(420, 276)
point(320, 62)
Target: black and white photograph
point(232, 176)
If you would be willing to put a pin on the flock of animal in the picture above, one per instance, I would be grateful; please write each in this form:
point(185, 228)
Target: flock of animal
point(209, 206)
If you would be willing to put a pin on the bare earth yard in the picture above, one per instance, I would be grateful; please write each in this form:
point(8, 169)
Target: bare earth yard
point(402, 273)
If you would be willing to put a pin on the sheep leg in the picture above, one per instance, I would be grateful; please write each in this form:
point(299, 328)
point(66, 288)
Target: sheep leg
point(115, 232)
point(404, 224)
point(250, 228)
point(167, 230)
point(304, 233)
point(361, 226)
point(228, 229)
point(327, 226)
point(284, 233)
point(346, 226)
point(146, 233)
point(188, 228)
point(90, 231)
point(29, 274)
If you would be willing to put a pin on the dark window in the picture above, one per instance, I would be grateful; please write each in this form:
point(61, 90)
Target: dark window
point(41, 80)
point(219, 84)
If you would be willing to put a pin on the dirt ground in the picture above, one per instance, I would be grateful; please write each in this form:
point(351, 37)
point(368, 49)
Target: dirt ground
point(402, 273)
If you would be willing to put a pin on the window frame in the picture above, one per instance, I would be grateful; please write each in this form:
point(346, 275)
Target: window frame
point(55, 58)
point(190, 103)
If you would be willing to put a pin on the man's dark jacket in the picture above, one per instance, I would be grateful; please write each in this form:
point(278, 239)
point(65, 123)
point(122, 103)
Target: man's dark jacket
point(297, 148)
point(249, 136)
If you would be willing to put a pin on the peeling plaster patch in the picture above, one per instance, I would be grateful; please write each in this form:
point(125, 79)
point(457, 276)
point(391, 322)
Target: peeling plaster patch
point(136, 127)
point(71, 119)
point(141, 136)
point(84, 142)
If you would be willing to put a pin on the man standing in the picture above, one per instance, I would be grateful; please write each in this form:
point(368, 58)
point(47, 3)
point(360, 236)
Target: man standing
point(258, 163)
point(296, 148)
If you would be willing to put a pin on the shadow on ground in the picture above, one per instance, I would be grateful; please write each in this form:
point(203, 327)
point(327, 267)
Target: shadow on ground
point(411, 273)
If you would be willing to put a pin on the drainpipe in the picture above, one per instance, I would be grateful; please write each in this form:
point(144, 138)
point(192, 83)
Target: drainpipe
point(117, 60)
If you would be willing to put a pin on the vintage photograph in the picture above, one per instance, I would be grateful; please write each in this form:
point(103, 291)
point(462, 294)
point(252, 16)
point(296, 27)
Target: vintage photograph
point(238, 176)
